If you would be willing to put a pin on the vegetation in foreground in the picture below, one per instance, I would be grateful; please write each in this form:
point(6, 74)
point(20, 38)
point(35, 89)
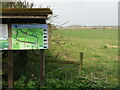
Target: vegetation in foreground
point(100, 61)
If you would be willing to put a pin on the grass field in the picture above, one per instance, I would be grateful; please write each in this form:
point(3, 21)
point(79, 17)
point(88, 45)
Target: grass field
point(100, 63)
point(99, 47)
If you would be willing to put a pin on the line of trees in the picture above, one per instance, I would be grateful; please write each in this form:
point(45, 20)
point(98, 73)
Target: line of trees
point(17, 4)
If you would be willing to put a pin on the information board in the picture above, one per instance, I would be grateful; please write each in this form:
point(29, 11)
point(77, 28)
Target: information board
point(3, 37)
point(29, 36)
point(25, 36)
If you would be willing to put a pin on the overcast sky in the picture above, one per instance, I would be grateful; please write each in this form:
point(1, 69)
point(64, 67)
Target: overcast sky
point(83, 12)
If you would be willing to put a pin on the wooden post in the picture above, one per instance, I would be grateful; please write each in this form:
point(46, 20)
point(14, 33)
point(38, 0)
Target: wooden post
point(81, 62)
point(10, 69)
point(10, 58)
point(42, 67)
point(49, 35)
point(0, 69)
point(9, 37)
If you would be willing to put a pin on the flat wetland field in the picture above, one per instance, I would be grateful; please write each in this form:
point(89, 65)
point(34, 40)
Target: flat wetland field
point(100, 48)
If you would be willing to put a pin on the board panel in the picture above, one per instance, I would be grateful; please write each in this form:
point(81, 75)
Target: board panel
point(29, 36)
point(25, 36)
point(3, 36)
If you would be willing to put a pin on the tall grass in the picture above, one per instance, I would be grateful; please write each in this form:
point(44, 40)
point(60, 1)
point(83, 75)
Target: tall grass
point(99, 47)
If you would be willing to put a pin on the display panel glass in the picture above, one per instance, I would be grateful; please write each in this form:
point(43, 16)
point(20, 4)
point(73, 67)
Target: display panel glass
point(29, 36)
point(3, 37)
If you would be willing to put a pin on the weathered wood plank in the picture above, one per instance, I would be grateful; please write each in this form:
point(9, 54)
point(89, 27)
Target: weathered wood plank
point(37, 17)
point(10, 58)
point(56, 61)
point(49, 35)
point(9, 37)
point(62, 62)
point(42, 67)
point(10, 69)
point(1, 70)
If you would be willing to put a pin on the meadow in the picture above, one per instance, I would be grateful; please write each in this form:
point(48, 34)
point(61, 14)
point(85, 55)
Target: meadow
point(99, 47)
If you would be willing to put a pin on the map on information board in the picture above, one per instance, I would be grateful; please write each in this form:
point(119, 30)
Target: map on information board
point(29, 36)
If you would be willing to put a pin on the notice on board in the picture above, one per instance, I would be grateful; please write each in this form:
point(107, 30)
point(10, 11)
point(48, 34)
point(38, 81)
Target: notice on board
point(29, 36)
point(25, 36)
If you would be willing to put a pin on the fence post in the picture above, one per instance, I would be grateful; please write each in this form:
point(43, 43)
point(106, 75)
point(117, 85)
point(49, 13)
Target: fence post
point(81, 62)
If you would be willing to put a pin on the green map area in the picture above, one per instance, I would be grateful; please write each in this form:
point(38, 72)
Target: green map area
point(27, 38)
point(3, 44)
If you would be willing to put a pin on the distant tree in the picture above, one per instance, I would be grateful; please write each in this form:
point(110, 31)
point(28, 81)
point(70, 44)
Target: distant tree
point(17, 4)
point(104, 27)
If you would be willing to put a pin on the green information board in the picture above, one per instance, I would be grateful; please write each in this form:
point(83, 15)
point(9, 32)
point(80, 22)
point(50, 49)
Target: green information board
point(3, 37)
point(29, 36)
point(24, 36)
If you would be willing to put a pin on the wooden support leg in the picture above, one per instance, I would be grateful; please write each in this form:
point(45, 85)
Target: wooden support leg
point(42, 67)
point(10, 58)
point(0, 69)
point(10, 69)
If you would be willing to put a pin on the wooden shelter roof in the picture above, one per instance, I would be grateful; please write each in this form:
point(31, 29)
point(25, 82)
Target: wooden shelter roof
point(26, 11)
point(24, 15)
